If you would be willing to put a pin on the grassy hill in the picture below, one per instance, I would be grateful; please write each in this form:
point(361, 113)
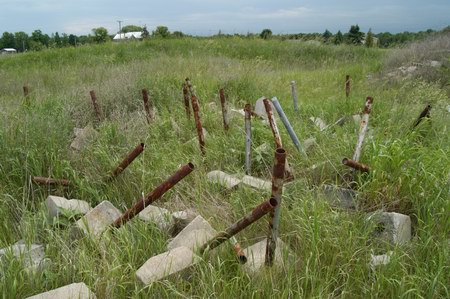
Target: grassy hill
point(410, 169)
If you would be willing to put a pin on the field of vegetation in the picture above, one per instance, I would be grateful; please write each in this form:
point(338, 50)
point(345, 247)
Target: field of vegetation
point(410, 169)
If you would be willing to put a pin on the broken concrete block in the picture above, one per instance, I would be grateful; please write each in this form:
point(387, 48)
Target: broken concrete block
point(83, 138)
point(166, 264)
point(223, 179)
point(212, 106)
point(33, 255)
point(180, 220)
point(257, 183)
point(160, 216)
point(318, 122)
point(72, 291)
point(308, 143)
point(98, 219)
point(392, 227)
point(260, 109)
point(55, 205)
point(340, 197)
point(237, 112)
point(356, 118)
point(194, 235)
point(377, 260)
point(256, 256)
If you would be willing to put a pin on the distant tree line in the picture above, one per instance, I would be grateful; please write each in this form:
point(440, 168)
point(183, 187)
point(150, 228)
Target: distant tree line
point(38, 40)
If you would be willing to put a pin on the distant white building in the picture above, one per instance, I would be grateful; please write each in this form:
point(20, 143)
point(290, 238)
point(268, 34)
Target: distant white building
point(8, 51)
point(128, 36)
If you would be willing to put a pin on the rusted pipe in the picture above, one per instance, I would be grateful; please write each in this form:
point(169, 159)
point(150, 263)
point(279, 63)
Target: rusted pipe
point(248, 138)
point(363, 128)
point(294, 95)
point(98, 112)
point(355, 165)
point(277, 191)
point(238, 250)
point(423, 114)
point(26, 91)
point(224, 109)
point(272, 123)
point(255, 215)
point(187, 106)
point(128, 160)
point(190, 87)
point(155, 194)
point(147, 108)
point(50, 181)
point(347, 86)
point(198, 123)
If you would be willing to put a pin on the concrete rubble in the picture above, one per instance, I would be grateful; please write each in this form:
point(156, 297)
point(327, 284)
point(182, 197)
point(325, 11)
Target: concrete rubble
point(308, 143)
point(83, 137)
point(180, 220)
point(260, 109)
point(56, 204)
point(340, 197)
point(378, 260)
point(160, 216)
point(318, 122)
point(97, 220)
point(256, 255)
point(224, 179)
point(72, 291)
point(194, 235)
point(257, 183)
point(33, 256)
point(392, 227)
point(166, 264)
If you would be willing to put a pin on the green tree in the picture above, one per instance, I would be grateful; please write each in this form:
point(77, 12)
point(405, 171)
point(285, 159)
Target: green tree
point(161, 31)
point(338, 38)
point(21, 40)
point(266, 34)
point(178, 34)
point(8, 40)
point(72, 40)
point(38, 37)
point(327, 35)
point(145, 33)
point(369, 39)
point(131, 28)
point(57, 40)
point(100, 34)
point(355, 36)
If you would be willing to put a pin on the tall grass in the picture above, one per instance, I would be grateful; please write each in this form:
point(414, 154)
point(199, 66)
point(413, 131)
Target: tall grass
point(332, 248)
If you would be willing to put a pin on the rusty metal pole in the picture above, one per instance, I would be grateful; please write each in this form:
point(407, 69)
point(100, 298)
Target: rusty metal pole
point(128, 160)
point(98, 112)
point(423, 114)
point(50, 181)
point(155, 194)
point(190, 87)
point(355, 165)
point(187, 106)
point(224, 109)
point(294, 95)
point(238, 250)
point(276, 135)
point(363, 128)
point(147, 106)
point(248, 139)
point(347, 86)
point(238, 226)
point(198, 123)
point(26, 91)
point(277, 191)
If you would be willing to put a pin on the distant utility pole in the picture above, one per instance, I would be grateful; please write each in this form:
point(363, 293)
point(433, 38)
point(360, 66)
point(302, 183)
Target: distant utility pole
point(120, 26)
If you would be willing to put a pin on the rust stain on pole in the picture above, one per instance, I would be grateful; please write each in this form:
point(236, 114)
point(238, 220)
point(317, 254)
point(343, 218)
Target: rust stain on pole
point(224, 109)
point(155, 194)
point(355, 165)
point(98, 112)
point(423, 114)
point(147, 105)
point(238, 226)
point(347, 85)
point(50, 181)
point(277, 191)
point(363, 128)
point(272, 123)
point(128, 160)
point(248, 138)
point(190, 87)
point(198, 123)
point(187, 106)
point(238, 250)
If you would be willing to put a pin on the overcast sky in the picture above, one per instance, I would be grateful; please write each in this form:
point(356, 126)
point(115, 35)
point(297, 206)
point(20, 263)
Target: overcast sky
point(206, 17)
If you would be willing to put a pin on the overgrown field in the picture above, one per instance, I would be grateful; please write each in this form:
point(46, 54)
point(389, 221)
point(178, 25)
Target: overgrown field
point(410, 168)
